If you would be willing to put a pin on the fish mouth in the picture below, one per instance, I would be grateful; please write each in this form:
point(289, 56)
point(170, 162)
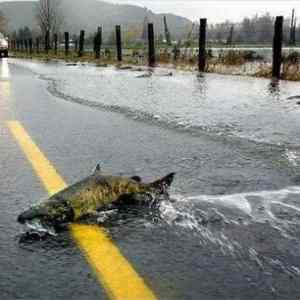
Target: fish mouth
point(30, 214)
point(35, 219)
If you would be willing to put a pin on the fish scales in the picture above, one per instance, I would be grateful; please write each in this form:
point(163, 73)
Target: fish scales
point(92, 194)
point(95, 192)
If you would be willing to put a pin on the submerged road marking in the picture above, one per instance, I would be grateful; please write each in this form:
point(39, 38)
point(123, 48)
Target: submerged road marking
point(112, 269)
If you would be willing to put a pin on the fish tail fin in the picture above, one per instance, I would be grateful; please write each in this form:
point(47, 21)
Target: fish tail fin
point(163, 184)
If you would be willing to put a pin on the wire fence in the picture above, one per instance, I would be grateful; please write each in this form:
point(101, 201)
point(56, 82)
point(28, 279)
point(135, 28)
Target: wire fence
point(227, 48)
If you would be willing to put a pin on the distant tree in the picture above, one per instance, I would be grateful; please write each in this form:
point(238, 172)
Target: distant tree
point(49, 16)
point(264, 27)
point(27, 33)
point(24, 33)
point(13, 35)
point(2, 22)
point(247, 30)
point(258, 29)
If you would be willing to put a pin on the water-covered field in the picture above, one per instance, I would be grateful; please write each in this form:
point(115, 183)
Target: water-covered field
point(228, 106)
point(233, 224)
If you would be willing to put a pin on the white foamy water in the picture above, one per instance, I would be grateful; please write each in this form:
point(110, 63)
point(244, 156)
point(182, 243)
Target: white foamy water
point(256, 205)
point(235, 223)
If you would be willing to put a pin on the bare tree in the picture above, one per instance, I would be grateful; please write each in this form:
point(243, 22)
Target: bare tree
point(49, 15)
point(2, 22)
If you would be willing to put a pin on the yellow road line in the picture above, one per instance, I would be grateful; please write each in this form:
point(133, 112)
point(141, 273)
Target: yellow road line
point(112, 269)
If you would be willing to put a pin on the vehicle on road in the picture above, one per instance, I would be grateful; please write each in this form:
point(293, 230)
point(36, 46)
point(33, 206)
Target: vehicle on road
point(3, 46)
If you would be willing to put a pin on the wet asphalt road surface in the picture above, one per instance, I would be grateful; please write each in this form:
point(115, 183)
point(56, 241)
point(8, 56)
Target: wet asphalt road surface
point(232, 231)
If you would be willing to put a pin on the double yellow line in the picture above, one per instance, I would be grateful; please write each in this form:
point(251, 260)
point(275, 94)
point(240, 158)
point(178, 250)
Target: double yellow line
point(114, 272)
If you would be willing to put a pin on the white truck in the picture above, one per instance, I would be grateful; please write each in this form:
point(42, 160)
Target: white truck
point(3, 46)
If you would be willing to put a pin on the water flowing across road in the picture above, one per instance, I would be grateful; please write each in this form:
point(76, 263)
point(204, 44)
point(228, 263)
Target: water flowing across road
point(232, 225)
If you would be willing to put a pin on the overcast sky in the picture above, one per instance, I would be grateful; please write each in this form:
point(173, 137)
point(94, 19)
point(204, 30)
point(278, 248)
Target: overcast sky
point(216, 11)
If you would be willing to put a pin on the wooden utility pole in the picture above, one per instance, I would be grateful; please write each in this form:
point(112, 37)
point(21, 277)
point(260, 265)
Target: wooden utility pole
point(292, 28)
point(230, 36)
point(277, 47)
point(202, 45)
point(167, 32)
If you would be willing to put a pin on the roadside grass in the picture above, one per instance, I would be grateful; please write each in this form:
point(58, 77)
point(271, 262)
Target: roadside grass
point(231, 62)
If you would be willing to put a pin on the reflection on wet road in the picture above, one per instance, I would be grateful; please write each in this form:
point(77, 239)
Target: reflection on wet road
point(232, 228)
point(4, 70)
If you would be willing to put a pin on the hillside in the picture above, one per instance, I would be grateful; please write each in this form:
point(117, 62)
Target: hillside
point(90, 14)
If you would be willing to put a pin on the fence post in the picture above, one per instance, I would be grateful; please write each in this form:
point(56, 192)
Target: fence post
point(151, 46)
point(55, 37)
point(277, 47)
point(98, 42)
point(202, 45)
point(76, 45)
point(67, 45)
point(81, 44)
point(26, 46)
point(47, 41)
point(30, 46)
point(119, 43)
point(37, 45)
point(95, 44)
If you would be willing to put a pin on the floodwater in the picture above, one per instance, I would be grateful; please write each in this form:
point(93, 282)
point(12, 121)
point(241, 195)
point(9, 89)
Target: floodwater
point(232, 228)
point(227, 106)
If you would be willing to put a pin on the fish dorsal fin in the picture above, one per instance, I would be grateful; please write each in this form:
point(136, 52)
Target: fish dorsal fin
point(97, 169)
point(136, 178)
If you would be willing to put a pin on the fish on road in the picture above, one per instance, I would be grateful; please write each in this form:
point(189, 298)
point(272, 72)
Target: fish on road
point(91, 195)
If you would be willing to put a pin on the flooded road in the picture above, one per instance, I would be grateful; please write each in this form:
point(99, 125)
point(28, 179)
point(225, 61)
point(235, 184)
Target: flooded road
point(232, 228)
